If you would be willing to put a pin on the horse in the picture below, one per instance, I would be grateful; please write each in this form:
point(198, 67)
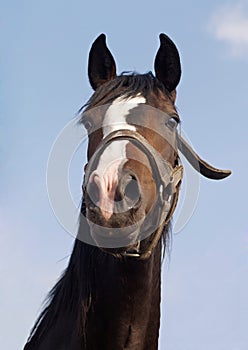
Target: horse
point(109, 296)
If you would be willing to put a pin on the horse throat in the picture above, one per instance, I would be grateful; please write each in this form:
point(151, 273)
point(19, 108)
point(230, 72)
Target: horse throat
point(125, 303)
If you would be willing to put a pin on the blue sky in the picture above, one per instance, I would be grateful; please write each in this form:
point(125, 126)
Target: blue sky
point(44, 49)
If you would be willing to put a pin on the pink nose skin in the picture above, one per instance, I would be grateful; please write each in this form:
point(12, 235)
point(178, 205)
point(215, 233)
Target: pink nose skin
point(107, 185)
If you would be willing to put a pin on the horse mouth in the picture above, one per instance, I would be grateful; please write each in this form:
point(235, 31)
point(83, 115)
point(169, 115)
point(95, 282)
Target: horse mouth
point(120, 232)
point(115, 237)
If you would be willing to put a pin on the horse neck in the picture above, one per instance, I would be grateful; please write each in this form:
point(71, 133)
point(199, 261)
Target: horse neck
point(124, 307)
point(102, 302)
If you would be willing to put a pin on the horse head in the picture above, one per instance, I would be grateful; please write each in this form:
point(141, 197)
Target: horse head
point(133, 175)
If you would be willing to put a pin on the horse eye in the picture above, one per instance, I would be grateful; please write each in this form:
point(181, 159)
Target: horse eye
point(87, 124)
point(172, 123)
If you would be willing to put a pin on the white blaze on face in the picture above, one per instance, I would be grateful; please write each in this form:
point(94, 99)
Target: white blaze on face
point(114, 156)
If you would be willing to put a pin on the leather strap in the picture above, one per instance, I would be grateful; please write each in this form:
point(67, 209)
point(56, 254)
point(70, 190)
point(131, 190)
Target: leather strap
point(199, 164)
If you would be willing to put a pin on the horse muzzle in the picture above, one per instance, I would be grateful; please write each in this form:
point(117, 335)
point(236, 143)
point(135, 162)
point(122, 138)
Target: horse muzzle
point(129, 223)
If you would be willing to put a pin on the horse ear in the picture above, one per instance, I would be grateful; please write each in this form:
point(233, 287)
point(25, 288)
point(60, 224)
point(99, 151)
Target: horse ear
point(101, 66)
point(167, 63)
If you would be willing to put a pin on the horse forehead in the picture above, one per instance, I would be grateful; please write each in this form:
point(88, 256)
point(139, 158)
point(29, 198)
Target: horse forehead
point(115, 117)
point(116, 153)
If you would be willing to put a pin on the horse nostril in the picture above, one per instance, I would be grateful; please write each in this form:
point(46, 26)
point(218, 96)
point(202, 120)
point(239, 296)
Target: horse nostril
point(93, 192)
point(132, 191)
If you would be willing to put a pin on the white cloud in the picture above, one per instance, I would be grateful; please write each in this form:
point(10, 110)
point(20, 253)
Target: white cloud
point(229, 24)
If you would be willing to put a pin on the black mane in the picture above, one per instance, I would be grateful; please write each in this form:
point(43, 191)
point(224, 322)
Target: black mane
point(57, 300)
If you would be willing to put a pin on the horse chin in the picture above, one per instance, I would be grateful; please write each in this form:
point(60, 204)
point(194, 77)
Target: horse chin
point(132, 250)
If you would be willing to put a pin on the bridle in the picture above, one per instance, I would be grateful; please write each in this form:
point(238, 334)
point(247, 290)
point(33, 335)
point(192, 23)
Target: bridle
point(167, 178)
